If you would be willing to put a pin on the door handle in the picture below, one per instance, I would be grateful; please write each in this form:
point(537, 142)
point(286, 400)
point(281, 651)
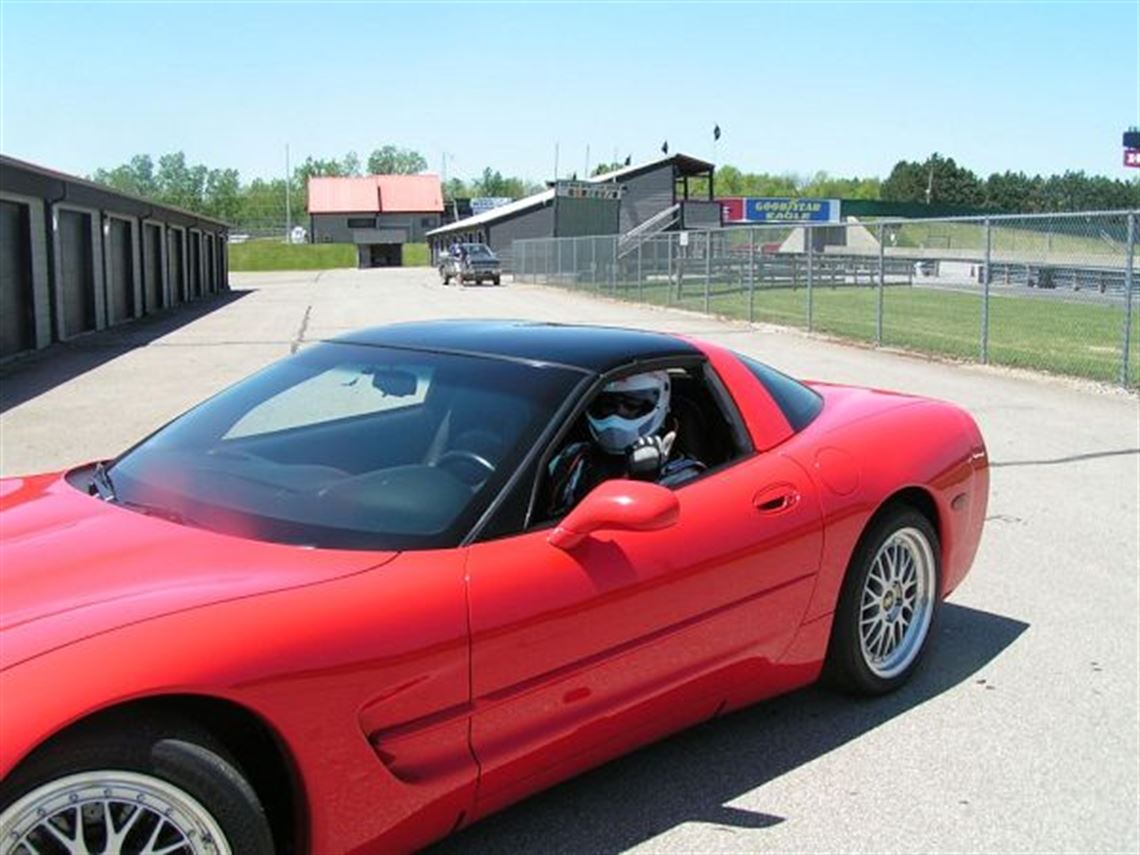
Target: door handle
point(776, 499)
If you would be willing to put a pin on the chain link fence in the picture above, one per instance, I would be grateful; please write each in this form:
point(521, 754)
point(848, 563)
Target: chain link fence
point(1046, 292)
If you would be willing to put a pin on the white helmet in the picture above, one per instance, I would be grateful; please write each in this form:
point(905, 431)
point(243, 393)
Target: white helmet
point(628, 409)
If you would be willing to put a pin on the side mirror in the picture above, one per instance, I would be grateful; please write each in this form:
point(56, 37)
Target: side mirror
point(620, 505)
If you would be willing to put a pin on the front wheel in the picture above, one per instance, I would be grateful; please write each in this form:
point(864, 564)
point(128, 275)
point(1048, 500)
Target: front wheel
point(120, 792)
point(497, 280)
point(888, 604)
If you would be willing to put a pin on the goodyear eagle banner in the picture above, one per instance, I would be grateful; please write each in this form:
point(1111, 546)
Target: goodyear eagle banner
point(775, 209)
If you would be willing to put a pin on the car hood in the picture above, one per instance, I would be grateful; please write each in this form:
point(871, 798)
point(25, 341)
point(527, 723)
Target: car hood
point(73, 566)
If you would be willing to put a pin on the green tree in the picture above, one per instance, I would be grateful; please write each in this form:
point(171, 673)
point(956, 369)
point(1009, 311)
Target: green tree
point(906, 183)
point(391, 160)
point(223, 194)
point(315, 167)
point(351, 164)
point(947, 182)
point(603, 168)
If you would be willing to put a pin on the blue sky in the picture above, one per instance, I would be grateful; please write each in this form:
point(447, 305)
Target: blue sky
point(845, 87)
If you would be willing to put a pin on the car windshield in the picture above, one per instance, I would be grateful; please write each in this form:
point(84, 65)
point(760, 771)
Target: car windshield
point(347, 446)
point(479, 249)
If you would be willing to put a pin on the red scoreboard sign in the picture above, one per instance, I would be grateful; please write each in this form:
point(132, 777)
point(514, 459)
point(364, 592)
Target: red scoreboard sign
point(1132, 157)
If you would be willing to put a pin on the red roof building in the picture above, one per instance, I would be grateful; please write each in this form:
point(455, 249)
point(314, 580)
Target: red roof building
point(376, 194)
point(378, 213)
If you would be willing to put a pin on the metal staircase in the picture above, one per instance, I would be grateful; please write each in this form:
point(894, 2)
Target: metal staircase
point(659, 222)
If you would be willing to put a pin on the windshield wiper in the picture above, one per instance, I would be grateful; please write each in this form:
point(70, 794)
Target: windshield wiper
point(101, 481)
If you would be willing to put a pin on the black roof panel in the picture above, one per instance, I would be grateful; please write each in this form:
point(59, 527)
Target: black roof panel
point(596, 349)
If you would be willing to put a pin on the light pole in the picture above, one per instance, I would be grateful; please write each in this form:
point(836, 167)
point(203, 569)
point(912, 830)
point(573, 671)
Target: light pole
point(288, 202)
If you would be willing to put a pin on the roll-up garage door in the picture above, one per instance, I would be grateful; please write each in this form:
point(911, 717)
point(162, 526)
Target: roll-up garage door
point(174, 257)
point(121, 272)
point(211, 266)
point(152, 267)
point(195, 265)
point(17, 309)
point(77, 272)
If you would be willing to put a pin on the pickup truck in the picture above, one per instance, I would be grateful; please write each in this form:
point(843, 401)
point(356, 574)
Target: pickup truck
point(474, 262)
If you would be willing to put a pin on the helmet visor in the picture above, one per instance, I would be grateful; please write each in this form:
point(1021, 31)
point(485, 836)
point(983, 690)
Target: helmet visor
point(628, 405)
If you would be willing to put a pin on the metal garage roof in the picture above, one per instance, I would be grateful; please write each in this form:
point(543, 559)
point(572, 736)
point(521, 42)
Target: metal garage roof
point(495, 214)
point(380, 194)
point(11, 168)
point(686, 165)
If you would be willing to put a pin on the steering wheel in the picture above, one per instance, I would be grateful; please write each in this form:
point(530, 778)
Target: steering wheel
point(459, 454)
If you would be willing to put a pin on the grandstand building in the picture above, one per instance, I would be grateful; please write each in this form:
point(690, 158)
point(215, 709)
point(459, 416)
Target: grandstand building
point(640, 199)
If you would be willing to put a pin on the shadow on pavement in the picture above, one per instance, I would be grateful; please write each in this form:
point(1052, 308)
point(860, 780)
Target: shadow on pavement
point(690, 777)
point(28, 377)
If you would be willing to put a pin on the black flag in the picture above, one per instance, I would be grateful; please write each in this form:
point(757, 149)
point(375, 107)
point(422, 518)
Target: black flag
point(628, 159)
point(665, 147)
point(716, 132)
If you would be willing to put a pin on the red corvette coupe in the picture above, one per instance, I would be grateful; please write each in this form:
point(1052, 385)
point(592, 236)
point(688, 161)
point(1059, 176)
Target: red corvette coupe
point(351, 603)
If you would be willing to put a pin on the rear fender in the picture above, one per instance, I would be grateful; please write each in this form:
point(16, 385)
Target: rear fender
point(861, 466)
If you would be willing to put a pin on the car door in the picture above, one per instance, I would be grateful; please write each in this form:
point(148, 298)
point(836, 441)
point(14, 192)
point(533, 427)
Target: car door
point(581, 654)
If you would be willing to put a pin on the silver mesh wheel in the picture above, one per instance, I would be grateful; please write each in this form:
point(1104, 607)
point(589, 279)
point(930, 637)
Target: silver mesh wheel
point(110, 813)
point(897, 603)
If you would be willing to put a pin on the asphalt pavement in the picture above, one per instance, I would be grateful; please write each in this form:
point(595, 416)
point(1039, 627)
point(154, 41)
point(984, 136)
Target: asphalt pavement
point(1020, 734)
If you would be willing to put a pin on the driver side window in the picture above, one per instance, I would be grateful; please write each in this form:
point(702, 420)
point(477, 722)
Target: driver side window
point(698, 435)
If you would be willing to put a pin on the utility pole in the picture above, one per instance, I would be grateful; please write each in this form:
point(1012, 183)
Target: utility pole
point(556, 163)
point(288, 201)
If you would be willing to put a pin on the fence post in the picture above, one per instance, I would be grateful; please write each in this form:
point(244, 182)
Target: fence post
point(640, 293)
point(985, 350)
point(680, 267)
point(708, 266)
point(810, 273)
point(574, 259)
point(594, 263)
point(1128, 259)
point(751, 275)
point(613, 267)
point(882, 285)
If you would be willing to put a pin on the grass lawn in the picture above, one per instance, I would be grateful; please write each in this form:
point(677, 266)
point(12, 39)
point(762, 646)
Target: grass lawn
point(275, 254)
point(1078, 339)
point(416, 255)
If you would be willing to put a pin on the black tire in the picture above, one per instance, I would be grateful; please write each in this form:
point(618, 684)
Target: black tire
point(159, 754)
point(497, 280)
point(850, 667)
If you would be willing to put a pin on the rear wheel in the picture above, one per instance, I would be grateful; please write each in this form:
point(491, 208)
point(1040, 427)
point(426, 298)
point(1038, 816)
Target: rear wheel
point(497, 280)
point(888, 604)
point(146, 789)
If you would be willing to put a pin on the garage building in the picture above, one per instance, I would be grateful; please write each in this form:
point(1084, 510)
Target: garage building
point(378, 213)
point(76, 256)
